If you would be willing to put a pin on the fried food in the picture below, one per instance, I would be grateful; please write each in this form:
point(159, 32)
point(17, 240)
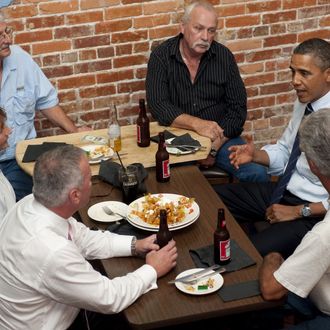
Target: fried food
point(176, 211)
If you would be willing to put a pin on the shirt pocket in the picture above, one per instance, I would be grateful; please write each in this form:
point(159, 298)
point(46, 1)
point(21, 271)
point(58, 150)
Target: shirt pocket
point(24, 107)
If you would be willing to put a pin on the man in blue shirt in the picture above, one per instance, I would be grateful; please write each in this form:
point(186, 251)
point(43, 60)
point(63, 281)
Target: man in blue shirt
point(24, 90)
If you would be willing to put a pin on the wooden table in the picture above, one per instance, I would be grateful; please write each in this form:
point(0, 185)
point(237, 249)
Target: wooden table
point(131, 153)
point(167, 306)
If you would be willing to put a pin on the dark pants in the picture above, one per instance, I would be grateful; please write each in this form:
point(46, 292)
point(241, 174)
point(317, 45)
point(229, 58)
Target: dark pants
point(97, 321)
point(248, 202)
point(20, 181)
point(311, 317)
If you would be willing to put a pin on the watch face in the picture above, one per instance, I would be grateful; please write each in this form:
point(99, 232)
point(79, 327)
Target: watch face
point(306, 211)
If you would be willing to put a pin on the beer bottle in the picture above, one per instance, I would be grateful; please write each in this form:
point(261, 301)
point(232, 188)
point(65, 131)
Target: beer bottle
point(114, 131)
point(142, 126)
point(164, 235)
point(162, 160)
point(221, 240)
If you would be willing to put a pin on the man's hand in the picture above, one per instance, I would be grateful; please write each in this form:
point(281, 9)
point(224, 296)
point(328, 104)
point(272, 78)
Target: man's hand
point(164, 259)
point(208, 162)
point(83, 129)
point(146, 245)
point(277, 213)
point(209, 129)
point(242, 154)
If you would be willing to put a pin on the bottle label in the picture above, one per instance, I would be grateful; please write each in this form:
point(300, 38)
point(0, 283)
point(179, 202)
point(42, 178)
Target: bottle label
point(138, 134)
point(224, 250)
point(166, 168)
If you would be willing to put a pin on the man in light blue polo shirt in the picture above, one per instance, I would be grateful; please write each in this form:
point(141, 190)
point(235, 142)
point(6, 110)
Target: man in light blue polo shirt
point(24, 90)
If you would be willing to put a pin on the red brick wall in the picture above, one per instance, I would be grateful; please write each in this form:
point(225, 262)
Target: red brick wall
point(95, 51)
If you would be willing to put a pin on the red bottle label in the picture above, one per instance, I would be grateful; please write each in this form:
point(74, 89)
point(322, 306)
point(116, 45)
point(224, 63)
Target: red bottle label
point(224, 250)
point(138, 134)
point(166, 168)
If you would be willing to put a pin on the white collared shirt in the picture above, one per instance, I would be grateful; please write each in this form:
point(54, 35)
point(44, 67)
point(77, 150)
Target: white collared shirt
point(303, 182)
point(307, 271)
point(44, 277)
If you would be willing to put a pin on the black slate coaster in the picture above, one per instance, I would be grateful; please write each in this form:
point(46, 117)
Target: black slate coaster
point(240, 290)
point(33, 151)
point(203, 257)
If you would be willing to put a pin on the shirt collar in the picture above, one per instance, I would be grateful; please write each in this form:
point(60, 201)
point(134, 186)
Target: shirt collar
point(322, 102)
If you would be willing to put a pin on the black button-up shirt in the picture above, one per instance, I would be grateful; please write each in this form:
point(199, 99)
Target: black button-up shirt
point(217, 93)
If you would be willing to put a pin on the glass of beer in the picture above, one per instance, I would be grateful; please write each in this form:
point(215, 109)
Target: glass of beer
point(129, 183)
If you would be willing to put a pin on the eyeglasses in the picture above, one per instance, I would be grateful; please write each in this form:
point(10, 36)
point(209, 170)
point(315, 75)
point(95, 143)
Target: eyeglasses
point(7, 33)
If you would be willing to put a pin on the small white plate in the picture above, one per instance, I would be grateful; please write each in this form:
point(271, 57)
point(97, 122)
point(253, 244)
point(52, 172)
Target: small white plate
point(176, 151)
point(105, 152)
point(96, 211)
point(193, 289)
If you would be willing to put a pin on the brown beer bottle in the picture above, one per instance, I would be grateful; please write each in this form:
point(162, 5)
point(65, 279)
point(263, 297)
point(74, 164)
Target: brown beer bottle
point(164, 235)
point(221, 240)
point(143, 126)
point(162, 160)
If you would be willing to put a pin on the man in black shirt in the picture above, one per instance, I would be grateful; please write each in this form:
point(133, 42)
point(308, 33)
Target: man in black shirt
point(193, 82)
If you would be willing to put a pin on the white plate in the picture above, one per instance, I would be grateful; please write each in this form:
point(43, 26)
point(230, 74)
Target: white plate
point(93, 148)
point(193, 289)
point(96, 211)
point(176, 151)
point(134, 220)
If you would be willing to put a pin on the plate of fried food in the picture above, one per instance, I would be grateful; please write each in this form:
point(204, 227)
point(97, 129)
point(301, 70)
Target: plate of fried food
point(96, 153)
point(144, 212)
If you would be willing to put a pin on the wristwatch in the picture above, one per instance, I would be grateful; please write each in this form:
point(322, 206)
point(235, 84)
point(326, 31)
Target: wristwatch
point(213, 152)
point(306, 210)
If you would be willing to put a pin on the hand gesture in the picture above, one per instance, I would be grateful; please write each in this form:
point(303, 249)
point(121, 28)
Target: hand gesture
point(242, 154)
point(278, 213)
point(146, 245)
point(164, 259)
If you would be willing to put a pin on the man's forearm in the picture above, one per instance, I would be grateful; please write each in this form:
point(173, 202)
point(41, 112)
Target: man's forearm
point(270, 288)
point(186, 121)
point(57, 117)
point(261, 157)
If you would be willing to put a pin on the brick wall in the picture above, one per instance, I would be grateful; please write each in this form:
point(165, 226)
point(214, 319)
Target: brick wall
point(95, 51)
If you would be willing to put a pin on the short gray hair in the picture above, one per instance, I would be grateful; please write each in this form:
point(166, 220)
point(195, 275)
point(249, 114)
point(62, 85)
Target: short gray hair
point(314, 137)
point(199, 3)
point(55, 173)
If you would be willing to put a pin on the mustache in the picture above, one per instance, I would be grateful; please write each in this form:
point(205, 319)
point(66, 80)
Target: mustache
point(202, 43)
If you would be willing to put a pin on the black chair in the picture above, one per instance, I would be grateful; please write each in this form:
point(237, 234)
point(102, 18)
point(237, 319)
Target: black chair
point(216, 175)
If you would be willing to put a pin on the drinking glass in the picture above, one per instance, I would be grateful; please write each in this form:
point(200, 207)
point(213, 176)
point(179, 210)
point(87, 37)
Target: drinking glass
point(129, 183)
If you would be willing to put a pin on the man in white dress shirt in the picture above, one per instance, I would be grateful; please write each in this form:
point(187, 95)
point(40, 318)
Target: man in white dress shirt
point(306, 273)
point(45, 279)
point(7, 195)
point(304, 201)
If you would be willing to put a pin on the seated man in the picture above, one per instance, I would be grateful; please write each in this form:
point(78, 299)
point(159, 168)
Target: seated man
point(24, 89)
point(44, 277)
point(298, 201)
point(193, 82)
point(306, 272)
point(7, 195)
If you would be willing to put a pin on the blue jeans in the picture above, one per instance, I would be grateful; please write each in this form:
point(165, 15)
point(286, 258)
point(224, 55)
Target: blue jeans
point(314, 319)
point(246, 173)
point(20, 181)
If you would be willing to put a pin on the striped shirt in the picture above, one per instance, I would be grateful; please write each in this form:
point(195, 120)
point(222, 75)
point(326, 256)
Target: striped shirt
point(217, 93)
